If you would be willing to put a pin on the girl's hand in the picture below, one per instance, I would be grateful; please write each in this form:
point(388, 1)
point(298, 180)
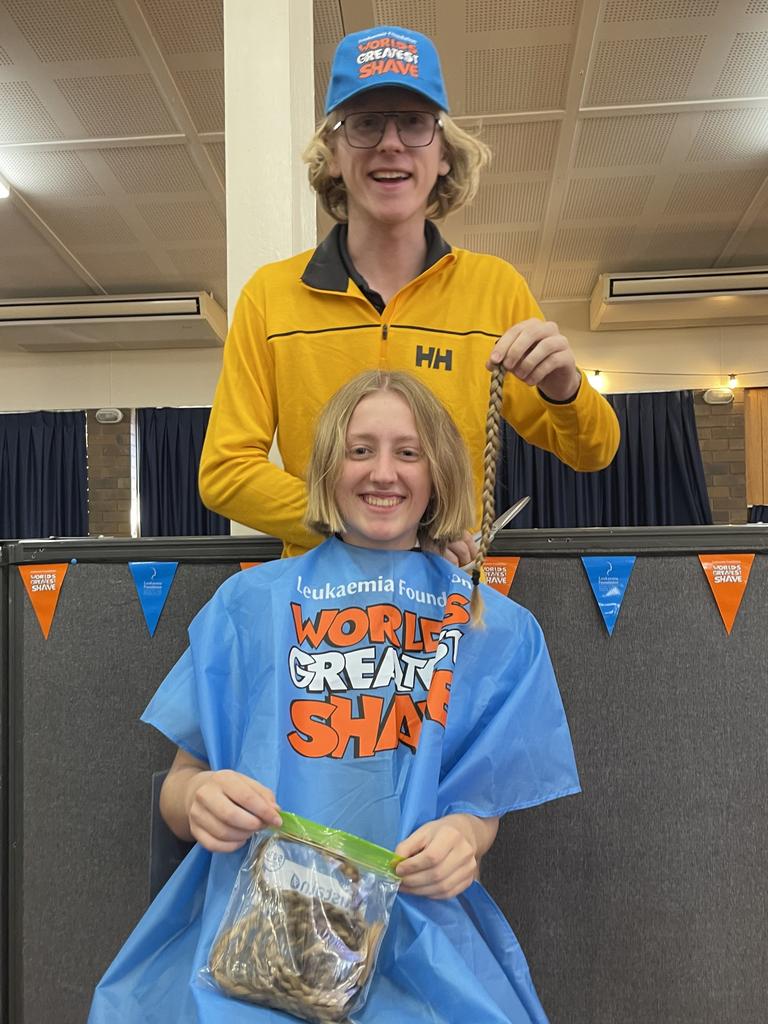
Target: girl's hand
point(441, 859)
point(225, 808)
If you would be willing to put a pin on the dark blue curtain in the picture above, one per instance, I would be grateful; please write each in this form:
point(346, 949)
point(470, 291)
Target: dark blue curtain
point(757, 514)
point(656, 479)
point(170, 442)
point(43, 475)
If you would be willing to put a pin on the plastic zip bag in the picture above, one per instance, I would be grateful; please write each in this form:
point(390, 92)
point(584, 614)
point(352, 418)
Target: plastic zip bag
point(303, 926)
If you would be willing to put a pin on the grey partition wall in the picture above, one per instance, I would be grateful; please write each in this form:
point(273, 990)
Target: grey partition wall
point(644, 899)
point(641, 900)
point(81, 770)
point(4, 780)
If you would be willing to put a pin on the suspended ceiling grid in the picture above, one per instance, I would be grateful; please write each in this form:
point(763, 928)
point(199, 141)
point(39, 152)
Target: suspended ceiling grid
point(628, 134)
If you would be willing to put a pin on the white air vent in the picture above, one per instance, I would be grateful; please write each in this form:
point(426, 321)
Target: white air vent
point(89, 323)
point(680, 298)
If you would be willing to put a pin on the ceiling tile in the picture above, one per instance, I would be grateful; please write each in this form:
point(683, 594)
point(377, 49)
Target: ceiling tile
point(23, 118)
point(721, 191)
point(676, 246)
point(203, 93)
point(204, 262)
point(186, 26)
point(110, 105)
point(654, 10)
point(622, 141)
point(327, 23)
point(519, 15)
point(589, 198)
point(517, 247)
point(570, 282)
point(153, 168)
point(643, 70)
point(130, 271)
point(75, 30)
point(217, 151)
point(86, 225)
point(731, 135)
point(422, 17)
point(322, 75)
point(745, 72)
point(588, 244)
point(48, 173)
point(516, 202)
point(180, 222)
point(503, 80)
point(522, 148)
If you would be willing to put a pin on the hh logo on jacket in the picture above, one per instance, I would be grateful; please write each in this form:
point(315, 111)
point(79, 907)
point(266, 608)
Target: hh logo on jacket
point(434, 358)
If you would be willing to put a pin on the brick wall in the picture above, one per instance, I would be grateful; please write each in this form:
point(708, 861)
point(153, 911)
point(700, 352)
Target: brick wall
point(721, 436)
point(109, 476)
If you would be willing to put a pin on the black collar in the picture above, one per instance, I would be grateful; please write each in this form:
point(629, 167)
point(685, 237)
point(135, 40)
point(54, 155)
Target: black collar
point(330, 268)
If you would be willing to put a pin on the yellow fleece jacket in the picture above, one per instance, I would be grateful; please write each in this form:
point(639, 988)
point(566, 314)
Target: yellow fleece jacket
point(300, 330)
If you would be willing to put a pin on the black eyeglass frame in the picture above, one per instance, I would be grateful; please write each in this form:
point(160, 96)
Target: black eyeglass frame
point(386, 114)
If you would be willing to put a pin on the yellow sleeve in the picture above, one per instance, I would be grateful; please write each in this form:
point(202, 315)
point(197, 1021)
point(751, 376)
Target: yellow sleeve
point(237, 479)
point(583, 433)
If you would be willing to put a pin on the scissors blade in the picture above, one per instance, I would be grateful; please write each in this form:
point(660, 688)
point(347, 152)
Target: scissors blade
point(506, 517)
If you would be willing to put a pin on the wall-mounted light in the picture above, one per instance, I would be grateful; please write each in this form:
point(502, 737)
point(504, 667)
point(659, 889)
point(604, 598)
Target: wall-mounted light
point(596, 379)
point(732, 380)
point(5, 188)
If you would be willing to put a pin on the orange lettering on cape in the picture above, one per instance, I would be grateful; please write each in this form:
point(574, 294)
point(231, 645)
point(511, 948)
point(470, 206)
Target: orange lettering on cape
point(355, 618)
point(315, 631)
point(439, 695)
point(385, 620)
point(456, 610)
point(312, 738)
point(362, 730)
point(402, 724)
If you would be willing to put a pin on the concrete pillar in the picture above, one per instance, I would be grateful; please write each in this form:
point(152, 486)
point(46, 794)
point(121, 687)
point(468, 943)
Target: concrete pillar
point(269, 82)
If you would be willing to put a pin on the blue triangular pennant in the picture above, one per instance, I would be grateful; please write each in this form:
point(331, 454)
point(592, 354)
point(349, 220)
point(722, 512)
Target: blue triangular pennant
point(153, 584)
point(609, 578)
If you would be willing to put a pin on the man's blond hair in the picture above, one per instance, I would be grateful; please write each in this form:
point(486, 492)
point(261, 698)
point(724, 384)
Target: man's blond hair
point(466, 156)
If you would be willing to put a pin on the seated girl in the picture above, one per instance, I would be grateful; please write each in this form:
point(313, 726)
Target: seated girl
point(362, 686)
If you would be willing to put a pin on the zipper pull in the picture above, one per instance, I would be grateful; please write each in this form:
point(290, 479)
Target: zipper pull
point(384, 332)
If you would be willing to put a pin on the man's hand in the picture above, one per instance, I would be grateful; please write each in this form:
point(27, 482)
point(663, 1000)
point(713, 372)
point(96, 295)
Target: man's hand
point(441, 861)
point(225, 808)
point(537, 353)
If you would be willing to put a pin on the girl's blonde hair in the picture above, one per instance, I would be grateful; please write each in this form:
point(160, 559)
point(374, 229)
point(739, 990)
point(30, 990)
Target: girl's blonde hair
point(465, 153)
point(450, 509)
point(490, 460)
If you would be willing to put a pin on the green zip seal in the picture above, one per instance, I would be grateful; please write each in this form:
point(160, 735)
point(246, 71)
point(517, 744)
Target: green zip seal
point(353, 848)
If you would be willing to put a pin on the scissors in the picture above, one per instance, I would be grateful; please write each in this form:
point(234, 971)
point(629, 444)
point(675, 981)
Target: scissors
point(501, 522)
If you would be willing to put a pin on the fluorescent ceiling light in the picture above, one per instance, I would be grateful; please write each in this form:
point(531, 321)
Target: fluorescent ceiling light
point(5, 188)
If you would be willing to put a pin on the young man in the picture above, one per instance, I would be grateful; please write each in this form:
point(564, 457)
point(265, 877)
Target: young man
point(385, 290)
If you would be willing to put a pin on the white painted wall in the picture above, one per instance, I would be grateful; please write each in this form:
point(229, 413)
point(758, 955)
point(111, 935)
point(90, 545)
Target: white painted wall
point(90, 380)
point(665, 360)
point(692, 357)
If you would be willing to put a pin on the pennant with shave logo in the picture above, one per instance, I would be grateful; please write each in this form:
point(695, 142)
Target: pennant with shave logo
point(43, 585)
point(248, 565)
point(153, 584)
point(500, 573)
point(728, 576)
point(608, 578)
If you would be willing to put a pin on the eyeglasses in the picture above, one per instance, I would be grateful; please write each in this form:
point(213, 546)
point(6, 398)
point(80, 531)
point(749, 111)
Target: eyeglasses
point(415, 128)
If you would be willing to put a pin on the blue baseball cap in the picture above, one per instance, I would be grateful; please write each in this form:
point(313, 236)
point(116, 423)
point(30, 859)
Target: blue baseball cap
point(387, 55)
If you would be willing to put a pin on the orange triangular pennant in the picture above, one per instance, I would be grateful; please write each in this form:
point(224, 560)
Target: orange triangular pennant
point(248, 565)
point(43, 584)
point(500, 572)
point(727, 575)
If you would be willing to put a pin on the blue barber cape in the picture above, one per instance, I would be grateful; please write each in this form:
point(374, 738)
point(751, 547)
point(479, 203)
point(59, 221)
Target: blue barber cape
point(351, 683)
